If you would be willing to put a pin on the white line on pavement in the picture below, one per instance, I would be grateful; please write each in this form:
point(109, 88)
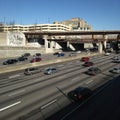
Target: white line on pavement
point(2, 109)
point(48, 104)
point(14, 76)
point(89, 81)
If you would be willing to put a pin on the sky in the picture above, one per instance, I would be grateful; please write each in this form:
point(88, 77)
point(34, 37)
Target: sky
point(100, 14)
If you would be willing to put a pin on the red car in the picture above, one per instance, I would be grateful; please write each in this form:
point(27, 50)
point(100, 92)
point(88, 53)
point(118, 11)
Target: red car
point(35, 60)
point(85, 59)
point(87, 64)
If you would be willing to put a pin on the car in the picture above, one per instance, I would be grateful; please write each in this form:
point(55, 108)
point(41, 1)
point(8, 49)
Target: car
point(87, 64)
point(22, 58)
point(79, 94)
point(10, 61)
point(49, 71)
point(85, 59)
point(78, 51)
point(72, 54)
point(93, 71)
point(56, 53)
point(115, 57)
point(26, 55)
point(115, 70)
point(37, 59)
point(30, 71)
point(116, 60)
point(107, 54)
point(38, 54)
point(61, 54)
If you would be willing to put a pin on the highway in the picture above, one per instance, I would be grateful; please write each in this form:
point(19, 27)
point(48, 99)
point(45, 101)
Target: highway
point(38, 96)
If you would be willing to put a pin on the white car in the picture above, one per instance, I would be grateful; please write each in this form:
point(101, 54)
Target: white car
point(107, 54)
point(116, 57)
point(116, 70)
point(78, 51)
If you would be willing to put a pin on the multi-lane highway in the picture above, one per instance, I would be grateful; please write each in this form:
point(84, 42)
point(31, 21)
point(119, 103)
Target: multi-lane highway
point(39, 96)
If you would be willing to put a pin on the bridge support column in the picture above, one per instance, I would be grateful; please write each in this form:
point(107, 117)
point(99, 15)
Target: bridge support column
point(105, 37)
point(51, 44)
point(100, 47)
point(70, 46)
point(45, 41)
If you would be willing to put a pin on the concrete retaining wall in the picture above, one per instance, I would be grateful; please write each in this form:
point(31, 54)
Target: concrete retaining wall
point(6, 52)
point(6, 69)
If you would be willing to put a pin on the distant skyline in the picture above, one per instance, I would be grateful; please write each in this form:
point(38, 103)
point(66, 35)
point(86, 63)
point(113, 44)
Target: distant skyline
point(100, 14)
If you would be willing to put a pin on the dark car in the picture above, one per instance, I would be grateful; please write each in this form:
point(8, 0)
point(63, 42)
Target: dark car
point(56, 53)
point(85, 59)
point(61, 54)
point(36, 60)
point(22, 58)
point(30, 71)
point(38, 54)
point(10, 61)
point(87, 64)
point(26, 55)
point(116, 60)
point(80, 94)
point(49, 71)
point(93, 71)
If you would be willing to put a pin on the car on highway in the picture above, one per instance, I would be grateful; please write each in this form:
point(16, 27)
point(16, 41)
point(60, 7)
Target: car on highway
point(37, 59)
point(93, 71)
point(115, 70)
point(78, 51)
point(30, 71)
point(61, 54)
point(56, 53)
point(116, 57)
point(79, 94)
point(38, 54)
point(116, 60)
point(87, 64)
point(50, 71)
point(72, 54)
point(26, 55)
point(85, 59)
point(107, 54)
point(10, 61)
point(22, 58)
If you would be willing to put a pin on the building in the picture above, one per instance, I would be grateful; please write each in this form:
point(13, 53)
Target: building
point(35, 27)
point(67, 25)
point(77, 24)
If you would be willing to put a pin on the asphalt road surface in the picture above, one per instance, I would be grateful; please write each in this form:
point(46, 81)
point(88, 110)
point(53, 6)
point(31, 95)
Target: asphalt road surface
point(38, 96)
point(104, 106)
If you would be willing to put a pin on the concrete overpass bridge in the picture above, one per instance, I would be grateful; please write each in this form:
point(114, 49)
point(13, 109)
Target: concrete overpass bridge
point(70, 37)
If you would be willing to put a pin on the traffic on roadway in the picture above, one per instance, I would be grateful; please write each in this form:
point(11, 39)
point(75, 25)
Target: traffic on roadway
point(38, 93)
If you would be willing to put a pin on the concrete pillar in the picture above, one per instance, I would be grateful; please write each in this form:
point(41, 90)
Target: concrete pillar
point(105, 37)
point(100, 47)
point(68, 44)
point(105, 44)
point(51, 44)
point(45, 40)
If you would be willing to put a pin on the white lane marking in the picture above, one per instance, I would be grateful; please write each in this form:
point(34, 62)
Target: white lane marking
point(4, 108)
point(17, 92)
point(89, 81)
point(48, 104)
point(14, 76)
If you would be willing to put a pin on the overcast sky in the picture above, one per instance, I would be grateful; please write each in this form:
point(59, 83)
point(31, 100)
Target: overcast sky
point(101, 14)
